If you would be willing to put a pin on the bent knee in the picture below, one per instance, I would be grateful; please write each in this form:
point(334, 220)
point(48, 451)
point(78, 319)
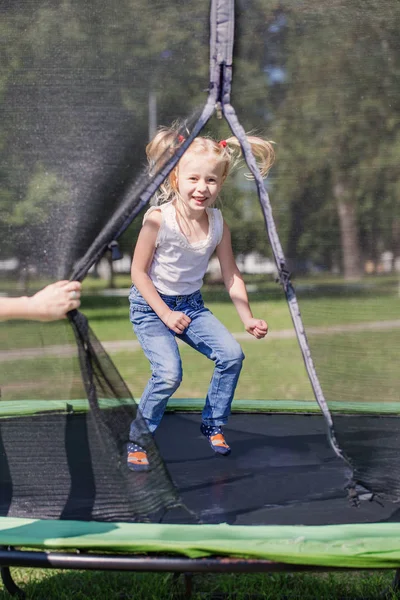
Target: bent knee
point(173, 382)
point(235, 351)
point(233, 355)
point(169, 379)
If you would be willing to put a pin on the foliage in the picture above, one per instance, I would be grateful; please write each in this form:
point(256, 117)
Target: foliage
point(338, 123)
point(320, 79)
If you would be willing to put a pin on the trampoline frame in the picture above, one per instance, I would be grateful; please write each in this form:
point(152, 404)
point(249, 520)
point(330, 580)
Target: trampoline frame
point(142, 563)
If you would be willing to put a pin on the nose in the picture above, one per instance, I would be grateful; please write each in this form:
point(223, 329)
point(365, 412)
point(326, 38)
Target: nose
point(202, 185)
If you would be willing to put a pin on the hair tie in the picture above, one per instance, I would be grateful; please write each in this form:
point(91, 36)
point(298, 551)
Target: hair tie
point(222, 143)
point(181, 139)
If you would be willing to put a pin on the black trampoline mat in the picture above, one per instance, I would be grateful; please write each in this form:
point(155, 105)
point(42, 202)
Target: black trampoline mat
point(281, 471)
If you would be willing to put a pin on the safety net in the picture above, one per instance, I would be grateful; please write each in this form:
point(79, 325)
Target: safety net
point(84, 87)
point(78, 83)
point(335, 198)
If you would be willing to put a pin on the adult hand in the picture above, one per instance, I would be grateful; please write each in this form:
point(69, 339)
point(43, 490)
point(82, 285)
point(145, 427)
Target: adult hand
point(54, 301)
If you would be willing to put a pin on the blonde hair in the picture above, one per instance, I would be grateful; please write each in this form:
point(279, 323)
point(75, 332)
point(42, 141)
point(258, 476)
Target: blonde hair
point(228, 152)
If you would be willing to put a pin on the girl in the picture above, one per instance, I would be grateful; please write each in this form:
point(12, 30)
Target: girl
point(177, 239)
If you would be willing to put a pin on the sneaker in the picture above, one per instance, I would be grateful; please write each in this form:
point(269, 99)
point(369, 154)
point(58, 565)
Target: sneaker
point(216, 438)
point(137, 457)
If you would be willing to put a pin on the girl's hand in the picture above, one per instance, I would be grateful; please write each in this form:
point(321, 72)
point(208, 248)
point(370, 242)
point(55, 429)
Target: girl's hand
point(177, 321)
point(257, 327)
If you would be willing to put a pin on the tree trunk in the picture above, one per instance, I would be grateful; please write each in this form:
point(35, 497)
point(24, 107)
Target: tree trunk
point(351, 254)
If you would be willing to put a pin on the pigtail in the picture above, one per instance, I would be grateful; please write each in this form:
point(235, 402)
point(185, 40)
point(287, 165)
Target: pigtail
point(158, 151)
point(161, 147)
point(262, 149)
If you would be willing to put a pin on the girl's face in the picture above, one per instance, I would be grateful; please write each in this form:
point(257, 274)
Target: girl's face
point(199, 179)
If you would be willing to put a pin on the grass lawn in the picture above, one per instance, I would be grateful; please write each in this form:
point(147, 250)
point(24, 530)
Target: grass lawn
point(351, 365)
point(265, 375)
point(79, 585)
point(109, 317)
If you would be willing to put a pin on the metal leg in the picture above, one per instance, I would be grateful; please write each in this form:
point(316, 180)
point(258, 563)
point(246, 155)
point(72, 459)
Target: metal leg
point(396, 581)
point(393, 588)
point(188, 578)
point(188, 585)
point(10, 584)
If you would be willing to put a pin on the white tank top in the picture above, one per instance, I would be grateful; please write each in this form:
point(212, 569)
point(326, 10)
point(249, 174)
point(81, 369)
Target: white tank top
point(178, 267)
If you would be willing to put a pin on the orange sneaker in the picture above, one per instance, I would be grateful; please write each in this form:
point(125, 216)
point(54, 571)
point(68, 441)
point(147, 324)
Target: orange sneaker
point(137, 457)
point(216, 438)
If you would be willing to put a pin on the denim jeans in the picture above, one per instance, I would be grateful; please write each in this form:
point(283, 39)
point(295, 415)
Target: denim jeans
point(206, 335)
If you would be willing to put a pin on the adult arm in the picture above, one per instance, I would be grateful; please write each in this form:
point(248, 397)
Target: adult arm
point(49, 304)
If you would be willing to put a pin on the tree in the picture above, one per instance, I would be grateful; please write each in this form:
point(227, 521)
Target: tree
point(329, 73)
point(75, 83)
point(340, 115)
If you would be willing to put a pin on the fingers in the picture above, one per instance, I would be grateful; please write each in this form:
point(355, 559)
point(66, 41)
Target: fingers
point(262, 330)
point(73, 303)
point(55, 301)
point(68, 297)
point(72, 291)
point(67, 287)
point(60, 283)
point(259, 335)
point(178, 321)
point(182, 324)
point(74, 286)
point(258, 329)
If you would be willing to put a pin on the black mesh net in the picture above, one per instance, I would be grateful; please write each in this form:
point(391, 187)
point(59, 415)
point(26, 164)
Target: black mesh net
point(330, 78)
point(84, 86)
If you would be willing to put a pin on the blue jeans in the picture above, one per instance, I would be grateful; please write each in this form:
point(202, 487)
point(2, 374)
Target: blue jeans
point(206, 335)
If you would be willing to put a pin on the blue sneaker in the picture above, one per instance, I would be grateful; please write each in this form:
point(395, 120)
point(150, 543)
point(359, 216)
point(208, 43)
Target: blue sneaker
point(216, 438)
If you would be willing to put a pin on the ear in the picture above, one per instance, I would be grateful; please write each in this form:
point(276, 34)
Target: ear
point(223, 178)
point(174, 178)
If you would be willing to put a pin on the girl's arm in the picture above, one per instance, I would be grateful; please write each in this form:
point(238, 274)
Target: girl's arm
point(235, 285)
point(142, 259)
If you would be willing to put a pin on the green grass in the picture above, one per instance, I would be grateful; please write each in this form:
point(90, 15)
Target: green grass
point(266, 374)
point(44, 378)
point(321, 304)
point(273, 369)
point(358, 365)
point(110, 319)
point(352, 365)
point(41, 584)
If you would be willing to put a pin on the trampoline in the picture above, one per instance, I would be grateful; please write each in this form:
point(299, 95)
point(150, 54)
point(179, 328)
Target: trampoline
point(279, 502)
point(311, 484)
